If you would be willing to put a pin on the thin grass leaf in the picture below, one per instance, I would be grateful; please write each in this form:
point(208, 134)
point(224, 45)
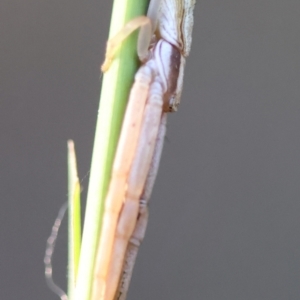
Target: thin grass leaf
point(74, 219)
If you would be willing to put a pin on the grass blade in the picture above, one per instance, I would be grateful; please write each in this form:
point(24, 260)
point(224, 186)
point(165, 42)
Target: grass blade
point(74, 219)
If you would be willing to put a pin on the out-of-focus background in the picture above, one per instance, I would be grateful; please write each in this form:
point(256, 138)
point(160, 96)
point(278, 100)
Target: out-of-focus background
point(224, 216)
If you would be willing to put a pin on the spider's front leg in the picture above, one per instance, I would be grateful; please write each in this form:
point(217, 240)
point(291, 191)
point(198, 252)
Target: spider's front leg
point(142, 219)
point(165, 58)
point(117, 188)
point(136, 182)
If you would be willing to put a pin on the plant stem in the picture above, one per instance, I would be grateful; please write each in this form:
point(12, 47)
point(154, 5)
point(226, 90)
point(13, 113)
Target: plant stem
point(116, 85)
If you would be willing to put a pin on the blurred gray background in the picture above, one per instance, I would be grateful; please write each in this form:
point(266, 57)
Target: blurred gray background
point(224, 216)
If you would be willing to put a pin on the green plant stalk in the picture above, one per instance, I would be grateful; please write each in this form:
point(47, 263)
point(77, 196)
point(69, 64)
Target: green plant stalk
point(74, 220)
point(116, 85)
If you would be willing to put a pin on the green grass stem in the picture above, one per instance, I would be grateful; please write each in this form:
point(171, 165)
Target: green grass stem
point(116, 85)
